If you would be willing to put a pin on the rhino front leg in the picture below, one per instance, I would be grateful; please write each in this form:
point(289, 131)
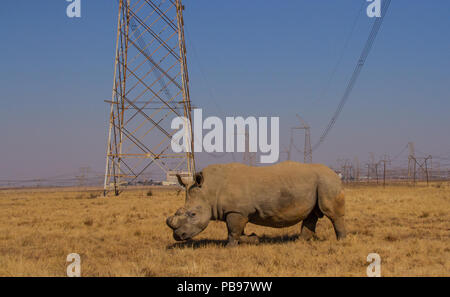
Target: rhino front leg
point(236, 225)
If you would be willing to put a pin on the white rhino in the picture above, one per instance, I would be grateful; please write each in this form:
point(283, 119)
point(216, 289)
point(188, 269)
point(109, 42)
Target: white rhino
point(277, 196)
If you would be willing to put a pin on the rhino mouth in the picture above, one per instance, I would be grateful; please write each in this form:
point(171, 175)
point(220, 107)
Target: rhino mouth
point(181, 236)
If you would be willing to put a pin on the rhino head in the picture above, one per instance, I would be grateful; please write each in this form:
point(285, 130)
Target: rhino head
point(194, 217)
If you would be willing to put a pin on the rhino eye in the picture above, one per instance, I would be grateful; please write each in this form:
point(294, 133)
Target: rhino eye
point(192, 214)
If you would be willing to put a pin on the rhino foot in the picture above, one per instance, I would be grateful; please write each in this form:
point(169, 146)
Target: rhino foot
point(247, 239)
point(250, 239)
point(307, 235)
point(231, 244)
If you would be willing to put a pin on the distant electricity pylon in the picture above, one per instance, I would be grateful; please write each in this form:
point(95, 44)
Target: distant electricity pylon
point(287, 151)
point(356, 168)
point(84, 175)
point(307, 151)
point(372, 167)
point(151, 87)
point(424, 166)
point(411, 158)
point(347, 170)
point(249, 157)
point(385, 161)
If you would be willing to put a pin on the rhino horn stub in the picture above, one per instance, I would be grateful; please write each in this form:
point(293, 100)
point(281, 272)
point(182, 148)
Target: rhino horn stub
point(172, 222)
point(180, 211)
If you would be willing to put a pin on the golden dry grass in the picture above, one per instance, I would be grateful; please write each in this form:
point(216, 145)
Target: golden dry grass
point(127, 236)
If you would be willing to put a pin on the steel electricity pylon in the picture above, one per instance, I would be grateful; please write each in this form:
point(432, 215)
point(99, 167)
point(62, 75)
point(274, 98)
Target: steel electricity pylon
point(411, 162)
point(249, 157)
point(307, 152)
point(150, 89)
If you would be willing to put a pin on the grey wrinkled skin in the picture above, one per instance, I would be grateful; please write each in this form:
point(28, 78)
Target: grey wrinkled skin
point(190, 220)
point(275, 196)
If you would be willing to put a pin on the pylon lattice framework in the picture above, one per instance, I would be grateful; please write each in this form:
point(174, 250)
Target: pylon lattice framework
point(307, 151)
point(151, 87)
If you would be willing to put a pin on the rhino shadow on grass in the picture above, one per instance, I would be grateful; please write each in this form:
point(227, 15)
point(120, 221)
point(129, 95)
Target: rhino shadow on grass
point(204, 243)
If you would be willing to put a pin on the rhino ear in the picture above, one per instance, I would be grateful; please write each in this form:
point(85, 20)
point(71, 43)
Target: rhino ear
point(199, 179)
point(180, 181)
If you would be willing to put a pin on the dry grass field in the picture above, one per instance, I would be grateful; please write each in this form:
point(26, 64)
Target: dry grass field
point(127, 236)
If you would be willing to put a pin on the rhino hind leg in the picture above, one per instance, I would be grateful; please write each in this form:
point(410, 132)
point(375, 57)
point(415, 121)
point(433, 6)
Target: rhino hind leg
point(339, 227)
point(309, 226)
point(333, 206)
point(236, 224)
point(338, 219)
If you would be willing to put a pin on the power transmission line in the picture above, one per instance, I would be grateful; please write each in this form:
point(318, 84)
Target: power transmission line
point(359, 65)
point(344, 49)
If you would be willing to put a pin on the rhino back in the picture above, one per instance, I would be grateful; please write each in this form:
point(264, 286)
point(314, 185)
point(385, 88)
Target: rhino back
point(277, 196)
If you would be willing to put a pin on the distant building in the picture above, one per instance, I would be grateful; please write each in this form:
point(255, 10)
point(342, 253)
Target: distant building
point(171, 177)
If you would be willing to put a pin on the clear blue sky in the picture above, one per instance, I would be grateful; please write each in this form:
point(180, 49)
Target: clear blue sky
point(272, 58)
